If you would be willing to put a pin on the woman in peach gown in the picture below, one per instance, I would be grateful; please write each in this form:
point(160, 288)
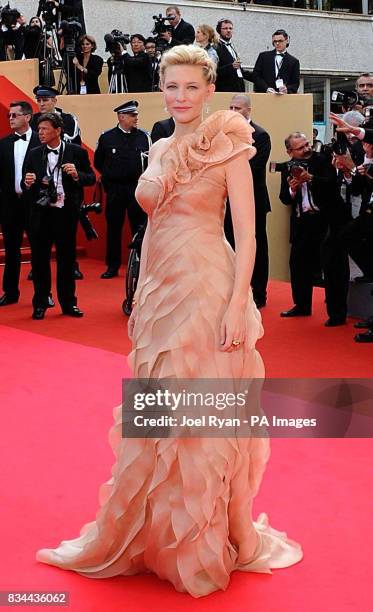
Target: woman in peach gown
point(182, 508)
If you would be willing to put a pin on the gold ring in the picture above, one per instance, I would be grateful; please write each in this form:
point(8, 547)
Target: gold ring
point(236, 343)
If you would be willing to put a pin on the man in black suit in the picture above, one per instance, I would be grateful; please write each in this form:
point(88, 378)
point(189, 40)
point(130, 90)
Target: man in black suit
point(309, 185)
point(154, 62)
point(137, 67)
point(162, 129)
point(182, 32)
point(55, 174)
point(14, 210)
point(277, 70)
point(241, 103)
point(230, 76)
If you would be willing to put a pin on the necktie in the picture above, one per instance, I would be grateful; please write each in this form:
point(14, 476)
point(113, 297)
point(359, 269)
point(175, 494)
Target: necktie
point(18, 137)
point(52, 151)
point(281, 54)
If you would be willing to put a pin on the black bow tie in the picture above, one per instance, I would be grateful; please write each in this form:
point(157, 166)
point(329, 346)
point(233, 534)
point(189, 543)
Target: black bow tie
point(281, 54)
point(227, 44)
point(18, 137)
point(55, 151)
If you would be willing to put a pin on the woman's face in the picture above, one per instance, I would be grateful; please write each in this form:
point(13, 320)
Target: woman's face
point(201, 38)
point(185, 91)
point(86, 46)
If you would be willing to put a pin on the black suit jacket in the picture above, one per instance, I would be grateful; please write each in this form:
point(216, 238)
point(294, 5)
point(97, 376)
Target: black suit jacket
point(94, 68)
point(7, 170)
point(36, 162)
point(258, 164)
point(162, 129)
point(183, 35)
point(325, 193)
point(368, 136)
point(137, 70)
point(227, 78)
point(264, 74)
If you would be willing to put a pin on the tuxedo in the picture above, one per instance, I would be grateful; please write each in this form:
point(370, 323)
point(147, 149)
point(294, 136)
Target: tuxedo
point(182, 34)
point(14, 211)
point(258, 165)
point(162, 129)
point(264, 73)
point(137, 70)
point(52, 225)
point(227, 78)
point(154, 64)
point(314, 238)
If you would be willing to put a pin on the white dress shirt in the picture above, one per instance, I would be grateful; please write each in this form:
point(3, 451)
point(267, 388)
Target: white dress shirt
point(233, 53)
point(52, 169)
point(20, 150)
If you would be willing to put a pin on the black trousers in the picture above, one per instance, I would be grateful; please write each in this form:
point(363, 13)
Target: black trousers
point(335, 265)
point(118, 202)
point(357, 235)
point(259, 279)
point(15, 220)
point(53, 226)
point(308, 232)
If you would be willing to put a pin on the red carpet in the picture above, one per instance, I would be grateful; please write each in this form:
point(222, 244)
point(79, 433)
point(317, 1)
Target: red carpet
point(60, 381)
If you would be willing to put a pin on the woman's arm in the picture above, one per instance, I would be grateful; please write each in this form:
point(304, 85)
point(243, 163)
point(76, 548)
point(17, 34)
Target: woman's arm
point(241, 198)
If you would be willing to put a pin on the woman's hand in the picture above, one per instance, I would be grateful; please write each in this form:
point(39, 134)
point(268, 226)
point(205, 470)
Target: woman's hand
point(343, 126)
point(233, 328)
point(131, 322)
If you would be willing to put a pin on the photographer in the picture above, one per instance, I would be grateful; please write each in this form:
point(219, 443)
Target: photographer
point(12, 25)
point(116, 43)
point(88, 65)
point(182, 33)
point(137, 69)
point(309, 186)
point(54, 176)
point(154, 62)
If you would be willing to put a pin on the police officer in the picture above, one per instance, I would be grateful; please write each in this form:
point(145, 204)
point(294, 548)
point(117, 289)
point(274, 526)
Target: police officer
point(46, 99)
point(121, 157)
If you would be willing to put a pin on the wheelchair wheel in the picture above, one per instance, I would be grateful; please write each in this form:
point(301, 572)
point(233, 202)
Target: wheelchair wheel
point(132, 275)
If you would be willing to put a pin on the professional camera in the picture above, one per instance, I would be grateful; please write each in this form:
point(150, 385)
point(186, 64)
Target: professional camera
point(160, 28)
point(295, 167)
point(115, 38)
point(9, 16)
point(347, 99)
point(70, 29)
point(47, 9)
point(48, 193)
point(368, 109)
point(85, 222)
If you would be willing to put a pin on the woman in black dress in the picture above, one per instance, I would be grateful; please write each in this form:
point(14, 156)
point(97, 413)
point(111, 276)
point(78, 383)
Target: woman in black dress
point(88, 66)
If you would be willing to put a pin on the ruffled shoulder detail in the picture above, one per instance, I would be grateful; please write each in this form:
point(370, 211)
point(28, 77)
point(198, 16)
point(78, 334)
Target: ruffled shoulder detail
point(220, 137)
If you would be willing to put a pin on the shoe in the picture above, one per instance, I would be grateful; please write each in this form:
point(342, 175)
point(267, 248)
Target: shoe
point(363, 279)
point(5, 300)
point(29, 277)
point(334, 322)
point(366, 324)
point(367, 337)
point(78, 275)
point(38, 314)
point(73, 311)
point(51, 303)
point(295, 312)
point(110, 273)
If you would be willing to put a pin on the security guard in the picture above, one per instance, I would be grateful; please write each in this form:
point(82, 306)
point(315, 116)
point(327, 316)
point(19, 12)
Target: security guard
point(121, 157)
point(46, 99)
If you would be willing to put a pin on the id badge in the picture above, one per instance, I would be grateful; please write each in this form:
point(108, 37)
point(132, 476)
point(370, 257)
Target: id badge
point(83, 89)
point(279, 83)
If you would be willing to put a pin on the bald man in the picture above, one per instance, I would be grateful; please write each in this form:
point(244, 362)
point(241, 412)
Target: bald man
point(241, 103)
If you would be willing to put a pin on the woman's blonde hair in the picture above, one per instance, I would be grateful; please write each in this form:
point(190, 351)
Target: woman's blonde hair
point(208, 31)
point(188, 55)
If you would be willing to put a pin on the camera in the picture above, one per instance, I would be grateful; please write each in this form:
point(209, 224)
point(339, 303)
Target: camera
point(115, 38)
point(84, 220)
point(346, 99)
point(160, 28)
point(48, 193)
point(295, 167)
point(70, 29)
point(47, 9)
point(9, 16)
point(368, 109)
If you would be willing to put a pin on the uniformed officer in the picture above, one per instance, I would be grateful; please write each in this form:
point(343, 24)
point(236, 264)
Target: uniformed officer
point(121, 157)
point(46, 99)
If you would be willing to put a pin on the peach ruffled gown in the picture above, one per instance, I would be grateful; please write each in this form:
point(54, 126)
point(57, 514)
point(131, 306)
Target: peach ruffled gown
point(181, 508)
